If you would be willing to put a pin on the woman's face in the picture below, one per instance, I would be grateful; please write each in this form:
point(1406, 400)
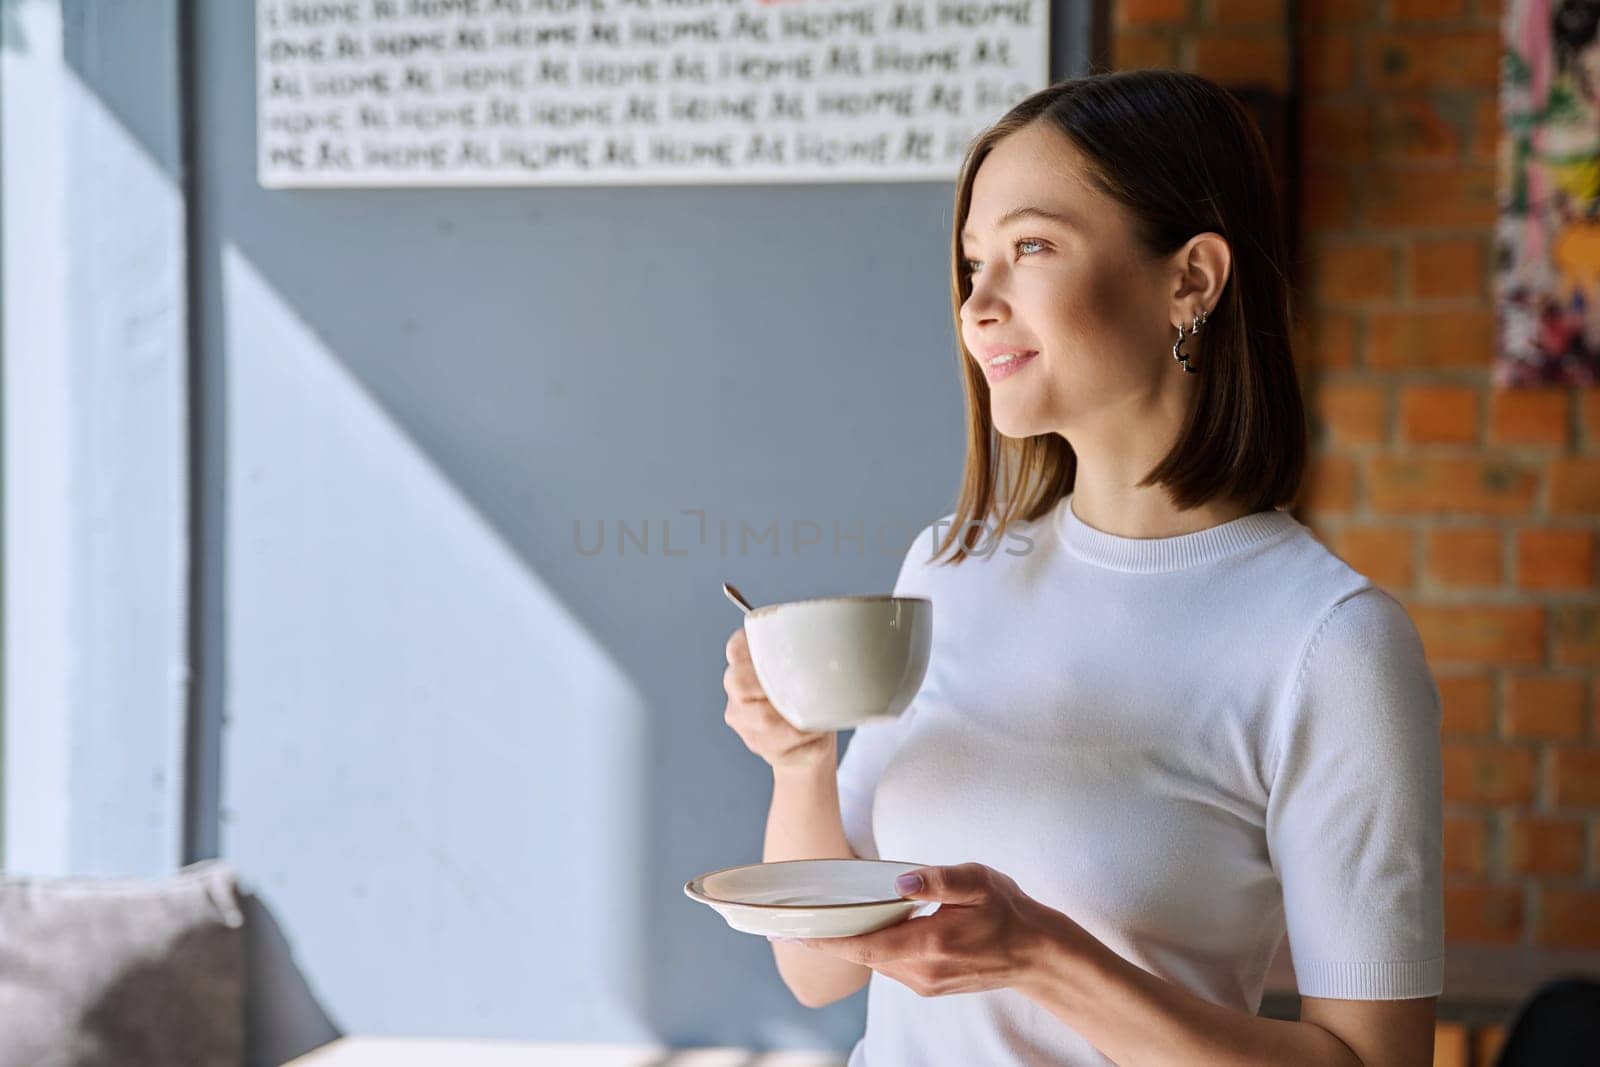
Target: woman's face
point(1079, 291)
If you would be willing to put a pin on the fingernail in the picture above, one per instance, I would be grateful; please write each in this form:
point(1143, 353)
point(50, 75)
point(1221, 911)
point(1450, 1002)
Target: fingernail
point(785, 940)
point(909, 883)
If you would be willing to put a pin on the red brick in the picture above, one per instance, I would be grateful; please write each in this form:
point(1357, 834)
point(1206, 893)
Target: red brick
point(1577, 633)
point(1463, 557)
point(1470, 485)
point(1232, 12)
point(1589, 417)
point(1145, 12)
point(1486, 128)
point(1544, 846)
point(1546, 706)
point(1448, 267)
point(1467, 705)
point(1555, 559)
point(1327, 61)
point(1488, 774)
point(1465, 844)
point(1327, 200)
point(1529, 416)
point(1416, 128)
point(1326, 340)
point(1570, 918)
point(1145, 51)
point(1417, 10)
point(1481, 633)
point(1458, 196)
point(1353, 271)
point(1575, 776)
point(1382, 553)
point(1242, 59)
point(1333, 12)
point(1336, 131)
point(1427, 340)
point(1439, 414)
point(1575, 486)
point(1482, 913)
point(1330, 485)
point(1353, 412)
point(1434, 59)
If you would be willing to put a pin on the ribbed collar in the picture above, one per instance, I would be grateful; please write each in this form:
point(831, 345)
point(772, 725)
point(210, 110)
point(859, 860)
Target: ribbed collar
point(1150, 555)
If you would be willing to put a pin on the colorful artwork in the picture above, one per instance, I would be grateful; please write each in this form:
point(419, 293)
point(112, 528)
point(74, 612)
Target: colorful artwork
point(1548, 238)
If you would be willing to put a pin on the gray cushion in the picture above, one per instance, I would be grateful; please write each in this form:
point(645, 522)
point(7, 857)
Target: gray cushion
point(127, 972)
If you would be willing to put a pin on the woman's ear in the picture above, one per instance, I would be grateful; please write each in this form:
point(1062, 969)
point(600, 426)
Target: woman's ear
point(1201, 267)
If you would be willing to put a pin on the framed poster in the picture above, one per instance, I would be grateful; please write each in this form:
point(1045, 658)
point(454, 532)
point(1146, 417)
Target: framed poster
point(591, 92)
point(1548, 235)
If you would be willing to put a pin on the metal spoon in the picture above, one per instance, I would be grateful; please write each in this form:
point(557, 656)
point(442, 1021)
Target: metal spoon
point(737, 598)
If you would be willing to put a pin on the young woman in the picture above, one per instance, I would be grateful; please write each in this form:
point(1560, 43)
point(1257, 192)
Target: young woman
point(1162, 725)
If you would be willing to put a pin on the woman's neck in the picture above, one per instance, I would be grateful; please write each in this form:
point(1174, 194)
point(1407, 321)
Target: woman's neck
point(1115, 506)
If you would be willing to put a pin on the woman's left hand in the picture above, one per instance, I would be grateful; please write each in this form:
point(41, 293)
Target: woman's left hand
point(987, 934)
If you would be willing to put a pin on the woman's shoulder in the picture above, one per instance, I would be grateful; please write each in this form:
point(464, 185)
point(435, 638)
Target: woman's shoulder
point(1368, 622)
point(1323, 596)
point(1307, 562)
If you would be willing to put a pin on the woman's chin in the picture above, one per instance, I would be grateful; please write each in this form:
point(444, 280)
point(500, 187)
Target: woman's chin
point(1015, 424)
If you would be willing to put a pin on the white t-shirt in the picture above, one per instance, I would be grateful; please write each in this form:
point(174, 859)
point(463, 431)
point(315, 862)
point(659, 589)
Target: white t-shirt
point(1185, 744)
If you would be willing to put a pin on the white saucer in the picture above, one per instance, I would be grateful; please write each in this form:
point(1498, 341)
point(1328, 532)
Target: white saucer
point(809, 898)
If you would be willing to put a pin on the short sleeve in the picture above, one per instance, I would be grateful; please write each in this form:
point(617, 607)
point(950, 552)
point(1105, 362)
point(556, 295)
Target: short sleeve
point(1354, 821)
point(873, 744)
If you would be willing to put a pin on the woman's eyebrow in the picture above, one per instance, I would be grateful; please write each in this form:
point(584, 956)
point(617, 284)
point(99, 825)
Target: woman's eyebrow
point(1029, 212)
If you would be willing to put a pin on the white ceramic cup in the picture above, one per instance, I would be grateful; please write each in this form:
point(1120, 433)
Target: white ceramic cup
point(833, 663)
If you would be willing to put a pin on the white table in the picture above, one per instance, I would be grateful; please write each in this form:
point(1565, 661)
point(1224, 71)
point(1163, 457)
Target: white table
point(443, 1052)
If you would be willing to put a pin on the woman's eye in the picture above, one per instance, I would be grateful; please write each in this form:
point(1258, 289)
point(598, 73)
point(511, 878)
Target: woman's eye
point(972, 265)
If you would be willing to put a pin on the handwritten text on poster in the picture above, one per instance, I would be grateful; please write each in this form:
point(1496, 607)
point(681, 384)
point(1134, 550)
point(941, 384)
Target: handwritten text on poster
point(526, 92)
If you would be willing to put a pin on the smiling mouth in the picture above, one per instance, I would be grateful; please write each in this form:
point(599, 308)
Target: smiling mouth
point(1010, 357)
point(1002, 367)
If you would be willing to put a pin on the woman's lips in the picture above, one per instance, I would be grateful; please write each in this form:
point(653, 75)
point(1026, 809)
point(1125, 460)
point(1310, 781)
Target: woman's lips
point(1009, 367)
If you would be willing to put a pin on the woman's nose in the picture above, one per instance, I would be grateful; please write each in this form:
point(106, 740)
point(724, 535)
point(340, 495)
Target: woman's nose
point(982, 305)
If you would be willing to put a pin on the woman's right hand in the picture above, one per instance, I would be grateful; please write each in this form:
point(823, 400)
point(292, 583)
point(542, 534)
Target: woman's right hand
point(765, 732)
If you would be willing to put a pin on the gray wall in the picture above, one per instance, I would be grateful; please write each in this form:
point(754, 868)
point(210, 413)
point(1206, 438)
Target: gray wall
point(467, 765)
point(94, 466)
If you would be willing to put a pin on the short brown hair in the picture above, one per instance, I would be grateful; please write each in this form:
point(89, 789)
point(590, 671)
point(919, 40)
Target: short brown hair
point(1184, 157)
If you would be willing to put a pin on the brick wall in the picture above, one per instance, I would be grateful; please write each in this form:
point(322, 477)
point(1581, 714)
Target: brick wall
point(1477, 508)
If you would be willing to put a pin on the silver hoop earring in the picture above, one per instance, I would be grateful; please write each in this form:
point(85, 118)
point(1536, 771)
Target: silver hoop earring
point(1177, 347)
